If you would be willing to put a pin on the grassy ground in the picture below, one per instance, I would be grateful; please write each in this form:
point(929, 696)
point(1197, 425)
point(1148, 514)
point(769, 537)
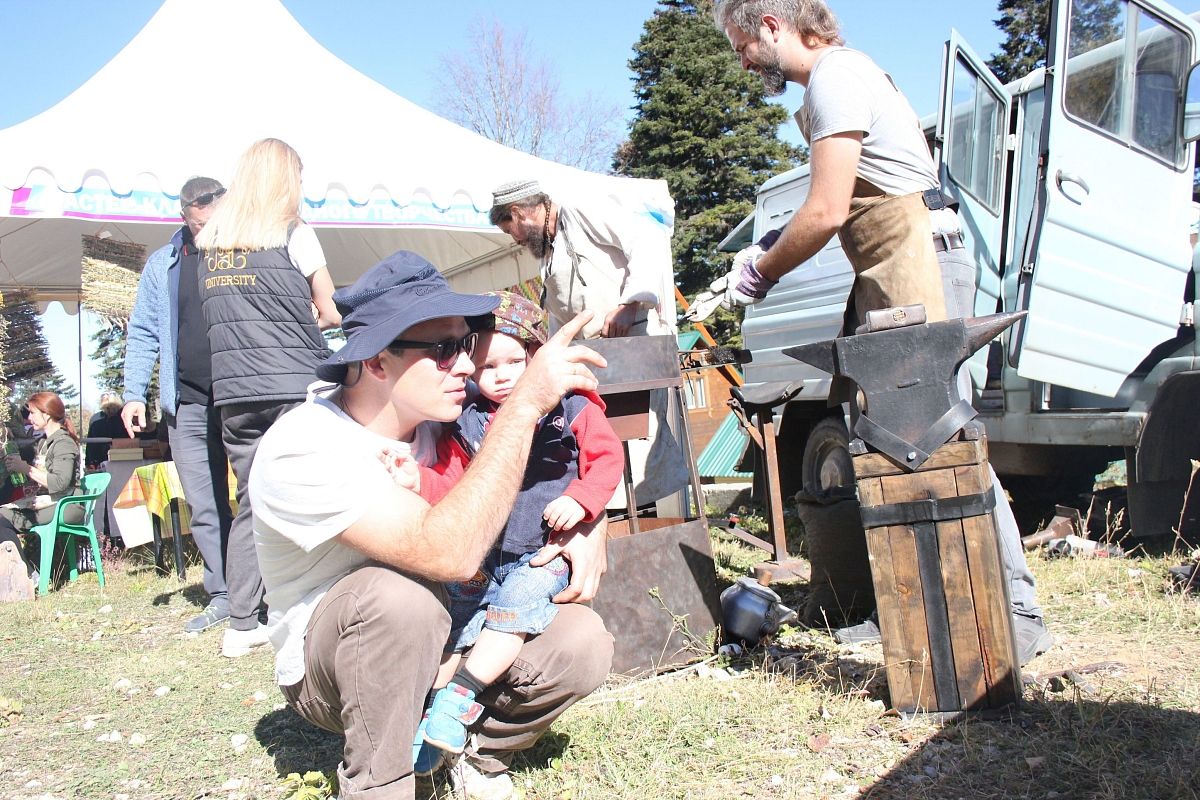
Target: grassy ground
point(102, 696)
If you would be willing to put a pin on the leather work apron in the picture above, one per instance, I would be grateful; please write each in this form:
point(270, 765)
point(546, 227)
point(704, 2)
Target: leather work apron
point(888, 240)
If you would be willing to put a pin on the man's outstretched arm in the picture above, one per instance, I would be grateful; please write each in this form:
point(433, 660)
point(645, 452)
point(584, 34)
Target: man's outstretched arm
point(448, 541)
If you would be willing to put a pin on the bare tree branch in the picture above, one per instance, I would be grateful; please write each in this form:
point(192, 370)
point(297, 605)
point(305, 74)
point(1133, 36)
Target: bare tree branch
point(500, 88)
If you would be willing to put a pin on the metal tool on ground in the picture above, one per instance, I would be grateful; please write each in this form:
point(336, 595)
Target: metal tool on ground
point(1185, 577)
point(925, 489)
point(750, 610)
point(1080, 546)
point(1066, 522)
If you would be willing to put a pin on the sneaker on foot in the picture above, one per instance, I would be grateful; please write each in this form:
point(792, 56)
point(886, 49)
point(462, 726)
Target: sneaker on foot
point(238, 643)
point(1032, 637)
point(473, 784)
point(452, 710)
point(212, 615)
point(426, 758)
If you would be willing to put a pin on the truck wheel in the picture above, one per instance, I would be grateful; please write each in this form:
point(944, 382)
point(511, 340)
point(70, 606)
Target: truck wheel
point(827, 463)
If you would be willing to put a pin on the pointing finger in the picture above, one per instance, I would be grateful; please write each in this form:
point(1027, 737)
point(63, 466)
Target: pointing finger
point(570, 330)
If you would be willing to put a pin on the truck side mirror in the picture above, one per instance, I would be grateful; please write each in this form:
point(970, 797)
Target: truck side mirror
point(1191, 106)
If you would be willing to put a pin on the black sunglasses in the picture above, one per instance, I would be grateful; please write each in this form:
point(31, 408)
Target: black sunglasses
point(447, 349)
point(205, 199)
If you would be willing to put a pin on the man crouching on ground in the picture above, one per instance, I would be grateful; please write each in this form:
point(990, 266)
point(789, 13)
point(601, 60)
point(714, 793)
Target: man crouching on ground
point(353, 563)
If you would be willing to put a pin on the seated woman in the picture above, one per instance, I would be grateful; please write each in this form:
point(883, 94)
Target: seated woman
point(54, 473)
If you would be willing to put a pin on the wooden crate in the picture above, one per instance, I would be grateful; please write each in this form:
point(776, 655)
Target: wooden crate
point(954, 612)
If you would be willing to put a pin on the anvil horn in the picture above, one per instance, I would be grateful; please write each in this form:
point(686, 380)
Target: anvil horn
point(981, 330)
point(819, 354)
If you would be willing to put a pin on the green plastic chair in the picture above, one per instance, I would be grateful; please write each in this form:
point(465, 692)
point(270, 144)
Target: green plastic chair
point(92, 489)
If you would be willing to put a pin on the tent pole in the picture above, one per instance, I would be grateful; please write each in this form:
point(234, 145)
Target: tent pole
point(79, 328)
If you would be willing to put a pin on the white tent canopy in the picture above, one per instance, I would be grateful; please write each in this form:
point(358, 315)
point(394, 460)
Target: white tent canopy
point(380, 173)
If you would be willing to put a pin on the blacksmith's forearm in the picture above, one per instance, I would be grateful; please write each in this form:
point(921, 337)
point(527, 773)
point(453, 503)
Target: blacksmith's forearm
point(803, 238)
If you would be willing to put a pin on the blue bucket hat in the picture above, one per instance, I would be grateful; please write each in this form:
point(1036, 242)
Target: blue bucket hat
point(399, 292)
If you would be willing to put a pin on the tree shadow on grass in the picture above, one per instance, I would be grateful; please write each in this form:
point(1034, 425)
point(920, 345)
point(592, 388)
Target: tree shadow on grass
point(1069, 748)
point(297, 745)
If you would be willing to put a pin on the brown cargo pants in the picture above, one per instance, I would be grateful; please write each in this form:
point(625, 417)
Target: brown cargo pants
point(371, 653)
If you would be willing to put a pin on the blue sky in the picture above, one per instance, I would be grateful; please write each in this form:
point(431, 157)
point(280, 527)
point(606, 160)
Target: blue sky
point(53, 46)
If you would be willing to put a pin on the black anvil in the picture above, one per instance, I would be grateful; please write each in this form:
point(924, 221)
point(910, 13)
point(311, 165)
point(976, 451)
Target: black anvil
point(911, 404)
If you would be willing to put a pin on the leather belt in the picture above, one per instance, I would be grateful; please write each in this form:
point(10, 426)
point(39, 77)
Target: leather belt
point(947, 241)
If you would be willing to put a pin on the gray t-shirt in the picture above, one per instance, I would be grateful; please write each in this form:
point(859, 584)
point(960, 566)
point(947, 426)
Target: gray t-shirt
point(848, 92)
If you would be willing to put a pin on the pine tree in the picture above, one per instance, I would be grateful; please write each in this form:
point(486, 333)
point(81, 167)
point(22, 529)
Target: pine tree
point(109, 353)
point(27, 364)
point(702, 125)
point(1026, 23)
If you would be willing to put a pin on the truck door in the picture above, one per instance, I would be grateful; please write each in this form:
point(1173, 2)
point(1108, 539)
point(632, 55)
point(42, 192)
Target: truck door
point(972, 131)
point(1104, 277)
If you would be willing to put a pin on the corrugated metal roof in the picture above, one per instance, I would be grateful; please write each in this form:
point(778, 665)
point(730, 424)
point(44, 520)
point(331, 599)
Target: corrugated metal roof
point(724, 451)
point(688, 339)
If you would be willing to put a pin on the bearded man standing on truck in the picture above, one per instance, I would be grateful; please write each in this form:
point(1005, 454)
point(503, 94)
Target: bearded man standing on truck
point(875, 185)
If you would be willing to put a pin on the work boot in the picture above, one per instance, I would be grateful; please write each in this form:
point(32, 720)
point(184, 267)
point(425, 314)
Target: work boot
point(864, 632)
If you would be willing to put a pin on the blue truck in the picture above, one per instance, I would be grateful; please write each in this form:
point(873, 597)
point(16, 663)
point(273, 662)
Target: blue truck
point(1075, 189)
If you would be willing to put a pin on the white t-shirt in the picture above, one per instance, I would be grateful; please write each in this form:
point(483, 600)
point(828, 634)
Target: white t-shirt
point(622, 258)
point(315, 473)
point(305, 250)
point(848, 92)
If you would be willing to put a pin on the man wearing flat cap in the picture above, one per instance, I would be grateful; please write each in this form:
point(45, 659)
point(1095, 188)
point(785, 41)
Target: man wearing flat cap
point(354, 562)
point(597, 256)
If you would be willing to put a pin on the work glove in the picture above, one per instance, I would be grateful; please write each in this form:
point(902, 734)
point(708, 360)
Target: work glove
point(706, 302)
point(745, 285)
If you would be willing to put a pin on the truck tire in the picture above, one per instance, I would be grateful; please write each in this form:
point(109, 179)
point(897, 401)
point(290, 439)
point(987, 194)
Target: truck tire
point(827, 464)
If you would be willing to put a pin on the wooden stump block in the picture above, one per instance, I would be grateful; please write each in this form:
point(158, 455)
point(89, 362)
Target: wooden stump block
point(15, 583)
point(939, 582)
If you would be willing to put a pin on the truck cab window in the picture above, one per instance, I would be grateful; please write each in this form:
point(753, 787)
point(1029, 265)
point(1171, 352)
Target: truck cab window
point(1162, 63)
point(975, 149)
point(1144, 111)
